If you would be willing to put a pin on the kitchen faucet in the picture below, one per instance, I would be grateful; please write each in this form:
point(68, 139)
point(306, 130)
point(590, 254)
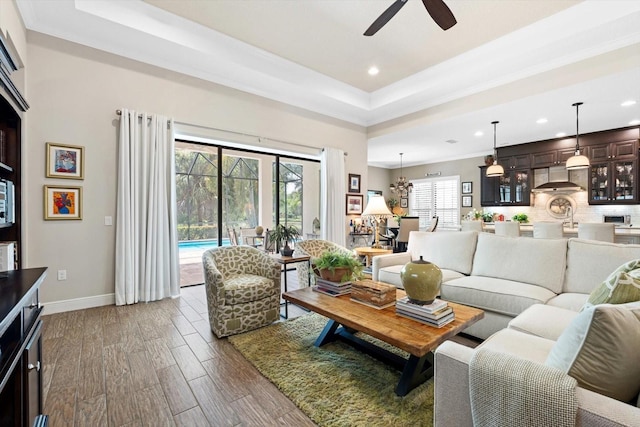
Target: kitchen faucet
point(569, 213)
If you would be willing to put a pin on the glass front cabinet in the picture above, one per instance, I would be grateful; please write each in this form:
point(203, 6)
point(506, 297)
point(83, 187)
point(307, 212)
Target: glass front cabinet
point(613, 182)
point(511, 189)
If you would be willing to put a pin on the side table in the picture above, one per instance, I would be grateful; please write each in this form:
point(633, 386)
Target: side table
point(368, 253)
point(286, 260)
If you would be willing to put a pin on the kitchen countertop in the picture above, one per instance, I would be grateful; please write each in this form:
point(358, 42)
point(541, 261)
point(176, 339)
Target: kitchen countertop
point(628, 230)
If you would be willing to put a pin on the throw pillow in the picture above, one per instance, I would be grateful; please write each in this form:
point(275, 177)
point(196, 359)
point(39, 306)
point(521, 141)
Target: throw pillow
point(623, 285)
point(600, 350)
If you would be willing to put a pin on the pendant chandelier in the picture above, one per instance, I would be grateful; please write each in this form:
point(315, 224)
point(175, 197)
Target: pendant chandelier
point(401, 183)
point(495, 169)
point(578, 161)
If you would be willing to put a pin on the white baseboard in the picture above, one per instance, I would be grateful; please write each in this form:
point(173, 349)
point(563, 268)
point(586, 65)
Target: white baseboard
point(78, 303)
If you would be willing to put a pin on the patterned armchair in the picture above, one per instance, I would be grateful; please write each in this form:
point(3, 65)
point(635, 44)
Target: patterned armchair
point(314, 248)
point(243, 289)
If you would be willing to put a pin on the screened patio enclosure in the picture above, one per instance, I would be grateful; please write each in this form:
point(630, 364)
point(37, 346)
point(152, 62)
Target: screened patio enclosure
point(219, 190)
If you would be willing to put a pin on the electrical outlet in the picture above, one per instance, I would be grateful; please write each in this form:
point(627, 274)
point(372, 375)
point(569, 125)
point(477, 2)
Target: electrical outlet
point(62, 274)
point(108, 220)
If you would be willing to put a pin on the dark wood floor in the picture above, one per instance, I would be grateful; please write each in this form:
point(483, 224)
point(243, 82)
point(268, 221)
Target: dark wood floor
point(155, 364)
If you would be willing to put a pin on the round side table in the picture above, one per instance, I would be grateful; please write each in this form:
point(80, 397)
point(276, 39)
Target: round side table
point(368, 253)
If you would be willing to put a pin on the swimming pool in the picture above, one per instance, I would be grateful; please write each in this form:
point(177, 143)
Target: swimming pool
point(200, 245)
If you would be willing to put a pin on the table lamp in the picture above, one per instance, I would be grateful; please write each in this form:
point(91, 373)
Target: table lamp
point(377, 210)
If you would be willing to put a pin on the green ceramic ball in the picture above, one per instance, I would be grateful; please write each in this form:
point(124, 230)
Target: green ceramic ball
point(421, 281)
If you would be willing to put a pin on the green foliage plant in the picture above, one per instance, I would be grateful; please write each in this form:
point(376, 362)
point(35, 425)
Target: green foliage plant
point(521, 217)
point(285, 234)
point(332, 260)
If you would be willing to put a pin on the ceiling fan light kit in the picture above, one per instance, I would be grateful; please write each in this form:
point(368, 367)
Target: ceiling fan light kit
point(495, 169)
point(438, 10)
point(578, 161)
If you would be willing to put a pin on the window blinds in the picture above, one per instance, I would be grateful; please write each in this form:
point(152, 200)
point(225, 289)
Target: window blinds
point(436, 196)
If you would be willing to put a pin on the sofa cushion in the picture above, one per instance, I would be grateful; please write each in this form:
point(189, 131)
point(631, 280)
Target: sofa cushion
point(512, 259)
point(600, 350)
point(449, 250)
point(497, 295)
point(519, 344)
point(623, 285)
point(569, 300)
point(244, 288)
point(589, 262)
point(543, 320)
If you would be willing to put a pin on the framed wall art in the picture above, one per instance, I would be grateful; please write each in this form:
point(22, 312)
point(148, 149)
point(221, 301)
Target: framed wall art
point(354, 183)
point(354, 204)
point(62, 202)
point(467, 201)
point(65, 161)
point(467, 187)
point(404, 202)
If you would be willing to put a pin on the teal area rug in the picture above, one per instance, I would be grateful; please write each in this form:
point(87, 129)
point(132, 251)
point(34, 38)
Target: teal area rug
point(335, 385)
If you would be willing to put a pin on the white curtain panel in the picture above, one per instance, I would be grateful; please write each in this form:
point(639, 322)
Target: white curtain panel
point(333, 190)
point(147, 266)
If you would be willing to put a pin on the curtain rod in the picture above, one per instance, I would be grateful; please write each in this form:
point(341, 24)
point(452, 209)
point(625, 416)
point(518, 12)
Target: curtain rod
point(260, 138)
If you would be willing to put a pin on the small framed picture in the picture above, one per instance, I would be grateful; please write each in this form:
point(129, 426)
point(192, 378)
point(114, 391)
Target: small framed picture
point(62, 202)
point(467, 187)
point(404, 202)
point(466, 201)
point(405, 193)
point(354, 204)
point(354, 183)
point(65, 161)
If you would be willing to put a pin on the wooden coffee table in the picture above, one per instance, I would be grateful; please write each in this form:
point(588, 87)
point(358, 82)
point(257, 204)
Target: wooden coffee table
point(417, 339)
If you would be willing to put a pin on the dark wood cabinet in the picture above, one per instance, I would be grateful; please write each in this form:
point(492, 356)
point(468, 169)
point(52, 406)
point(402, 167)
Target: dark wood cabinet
point(551, 158)
point(21, 345)
point(511, 189)
point(518, 161)
point(613, 172)
point(10, 177)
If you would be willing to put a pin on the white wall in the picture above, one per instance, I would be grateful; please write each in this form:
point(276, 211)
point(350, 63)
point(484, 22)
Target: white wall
point(74, 92)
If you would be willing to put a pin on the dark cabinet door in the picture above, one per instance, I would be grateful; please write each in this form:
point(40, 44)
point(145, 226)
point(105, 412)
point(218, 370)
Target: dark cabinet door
point(489, 189)
point(543, 160)
point(613, 182)
point(32, 364)
point(511, 189)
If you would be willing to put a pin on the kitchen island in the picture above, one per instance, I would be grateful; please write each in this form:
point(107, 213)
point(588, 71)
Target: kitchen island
point(627, 234)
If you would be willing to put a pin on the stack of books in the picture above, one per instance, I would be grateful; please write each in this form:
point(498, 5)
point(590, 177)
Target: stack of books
point(436, 314)
point(333, 289)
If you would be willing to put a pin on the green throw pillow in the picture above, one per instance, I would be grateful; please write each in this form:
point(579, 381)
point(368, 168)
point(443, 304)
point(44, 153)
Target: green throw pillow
point(622, 286)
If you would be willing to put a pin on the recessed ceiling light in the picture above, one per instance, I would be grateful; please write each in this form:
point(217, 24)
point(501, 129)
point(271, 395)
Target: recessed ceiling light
point(373, 71)
point(628, 103)
point(634, 122)
point(561, 134)
point(479, 133)
point(541, 121)
point(451, 141)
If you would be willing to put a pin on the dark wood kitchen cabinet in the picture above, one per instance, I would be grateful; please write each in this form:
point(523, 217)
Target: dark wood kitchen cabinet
point(511, 189)
point(551, 158)
point(21, 345)
point(613, 173)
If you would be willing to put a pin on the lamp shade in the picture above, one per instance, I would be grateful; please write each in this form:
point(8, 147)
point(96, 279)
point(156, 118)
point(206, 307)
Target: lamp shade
point(377, 208)
point(577, 162)
point(495, 170)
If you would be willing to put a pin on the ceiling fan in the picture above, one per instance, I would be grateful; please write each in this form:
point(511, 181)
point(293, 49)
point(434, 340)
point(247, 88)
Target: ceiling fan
point(439, 11)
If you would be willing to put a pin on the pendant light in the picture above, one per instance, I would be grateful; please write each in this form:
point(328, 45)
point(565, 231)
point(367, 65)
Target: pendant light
point(401, 183)
point(495, 169)
point(578, 161)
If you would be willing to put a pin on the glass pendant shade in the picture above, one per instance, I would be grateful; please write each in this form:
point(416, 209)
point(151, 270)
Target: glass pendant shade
point(578, 161)
point(495, 170)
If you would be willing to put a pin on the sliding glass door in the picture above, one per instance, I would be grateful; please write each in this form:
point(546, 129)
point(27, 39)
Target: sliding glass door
point(223, 192)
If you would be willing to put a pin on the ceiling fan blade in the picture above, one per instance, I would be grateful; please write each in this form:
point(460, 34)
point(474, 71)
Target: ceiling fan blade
point(385, 17)
point(440, 13)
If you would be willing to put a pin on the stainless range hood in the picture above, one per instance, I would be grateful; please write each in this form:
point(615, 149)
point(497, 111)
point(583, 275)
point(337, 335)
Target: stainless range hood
point(558, 180)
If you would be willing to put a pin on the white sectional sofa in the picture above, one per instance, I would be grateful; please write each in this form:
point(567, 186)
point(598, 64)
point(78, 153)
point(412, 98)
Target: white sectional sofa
point(532, 291)
point(506, 275)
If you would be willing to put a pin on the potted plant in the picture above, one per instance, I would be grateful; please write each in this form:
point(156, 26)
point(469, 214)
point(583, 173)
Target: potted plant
point(284, 235)
point(337, 267)
point(521, 217)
